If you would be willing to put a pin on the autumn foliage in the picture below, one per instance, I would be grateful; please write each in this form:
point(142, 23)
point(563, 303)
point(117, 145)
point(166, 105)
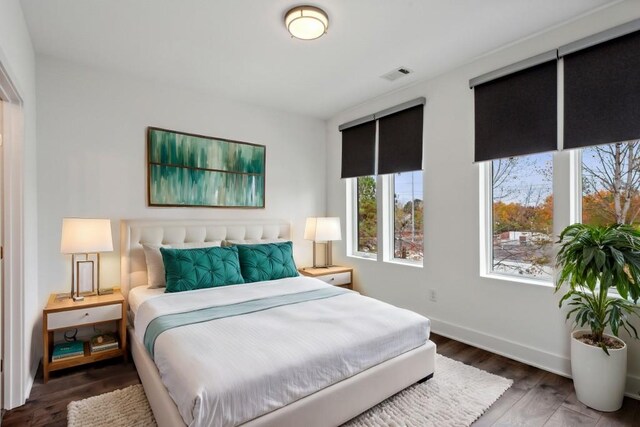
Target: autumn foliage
point(517, 217)
point(598, 208)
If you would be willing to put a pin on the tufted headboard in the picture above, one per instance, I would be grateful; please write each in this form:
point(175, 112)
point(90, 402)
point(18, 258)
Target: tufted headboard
point(133, 233)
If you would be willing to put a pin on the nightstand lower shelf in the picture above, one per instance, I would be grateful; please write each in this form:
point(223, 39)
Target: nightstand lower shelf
point(88, 357)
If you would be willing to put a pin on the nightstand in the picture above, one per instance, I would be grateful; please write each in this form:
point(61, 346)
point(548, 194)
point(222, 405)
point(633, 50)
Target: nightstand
point(338, 276)
point(65, 314)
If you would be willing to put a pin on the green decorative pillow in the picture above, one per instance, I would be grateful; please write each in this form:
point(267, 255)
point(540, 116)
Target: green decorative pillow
point(268, 261)
point(189, 269)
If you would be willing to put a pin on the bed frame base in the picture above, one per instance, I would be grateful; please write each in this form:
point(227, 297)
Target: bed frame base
point(427, 378)
point(328, 407)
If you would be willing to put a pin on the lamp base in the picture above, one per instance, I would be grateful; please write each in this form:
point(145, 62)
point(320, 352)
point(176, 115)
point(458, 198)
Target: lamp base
point(78, 298)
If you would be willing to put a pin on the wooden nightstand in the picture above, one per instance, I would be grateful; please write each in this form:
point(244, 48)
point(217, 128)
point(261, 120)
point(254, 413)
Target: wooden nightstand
point(338, 276)
point(65, 314)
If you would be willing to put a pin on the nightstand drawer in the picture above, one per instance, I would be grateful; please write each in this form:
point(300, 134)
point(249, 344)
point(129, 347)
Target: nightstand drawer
point(336, 278)
point(83, 316)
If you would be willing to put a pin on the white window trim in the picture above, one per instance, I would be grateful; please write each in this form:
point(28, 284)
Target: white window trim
point(486, 197)
point(575, 185)
point(486, 233)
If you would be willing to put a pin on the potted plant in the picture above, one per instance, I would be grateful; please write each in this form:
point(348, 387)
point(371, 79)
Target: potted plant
point(591, 261)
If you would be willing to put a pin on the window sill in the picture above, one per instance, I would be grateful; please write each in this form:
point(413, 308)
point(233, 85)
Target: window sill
point(398, 261)
point(372, 257)
point(525, 280)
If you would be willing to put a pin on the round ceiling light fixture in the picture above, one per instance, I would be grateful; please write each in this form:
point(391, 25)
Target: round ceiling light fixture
point(306, 22)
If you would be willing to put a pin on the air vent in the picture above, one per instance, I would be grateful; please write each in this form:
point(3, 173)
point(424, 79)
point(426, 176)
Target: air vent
point(396, 74)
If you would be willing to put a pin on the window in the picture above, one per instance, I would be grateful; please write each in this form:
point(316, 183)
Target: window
point(384, 197)
point(611, 184)
point(367, 215)
point(408, 241)
point(522, 216)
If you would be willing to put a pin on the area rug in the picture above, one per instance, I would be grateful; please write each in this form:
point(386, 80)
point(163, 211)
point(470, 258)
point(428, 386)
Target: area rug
point(456, 396)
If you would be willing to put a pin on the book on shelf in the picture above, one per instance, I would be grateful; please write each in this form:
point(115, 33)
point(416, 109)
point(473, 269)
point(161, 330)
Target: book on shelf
point(107, 347)
point(103, 342)
point(68, 350)
point(73, 356)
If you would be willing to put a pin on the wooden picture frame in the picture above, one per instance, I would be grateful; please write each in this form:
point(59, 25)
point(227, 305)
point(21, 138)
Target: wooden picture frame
point(190, 170)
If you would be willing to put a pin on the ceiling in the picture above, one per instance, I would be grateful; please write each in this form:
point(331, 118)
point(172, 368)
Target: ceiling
point(240, 49)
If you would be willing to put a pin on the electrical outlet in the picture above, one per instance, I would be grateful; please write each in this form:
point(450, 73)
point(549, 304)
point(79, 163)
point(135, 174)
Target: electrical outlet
point(433, 295)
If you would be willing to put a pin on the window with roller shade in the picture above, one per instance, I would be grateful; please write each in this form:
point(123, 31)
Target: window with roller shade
point(515, 135)
point(396, 138)
point(601, 131)
point(602, 120)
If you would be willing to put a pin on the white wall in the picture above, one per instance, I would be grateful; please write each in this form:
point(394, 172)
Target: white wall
point(91, 157)
point(17, 57)
point(515, 319)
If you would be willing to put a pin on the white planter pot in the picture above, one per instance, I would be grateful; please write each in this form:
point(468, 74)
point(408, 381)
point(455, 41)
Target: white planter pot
point(599, 379)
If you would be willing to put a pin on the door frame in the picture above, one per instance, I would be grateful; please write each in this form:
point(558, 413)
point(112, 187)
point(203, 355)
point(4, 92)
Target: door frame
point(13, 310)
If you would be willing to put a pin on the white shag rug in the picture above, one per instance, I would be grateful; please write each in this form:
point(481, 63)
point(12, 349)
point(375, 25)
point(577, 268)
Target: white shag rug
point(456, 396)
point(121, 408)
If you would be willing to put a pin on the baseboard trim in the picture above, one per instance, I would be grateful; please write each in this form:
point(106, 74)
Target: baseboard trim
point(551, 362)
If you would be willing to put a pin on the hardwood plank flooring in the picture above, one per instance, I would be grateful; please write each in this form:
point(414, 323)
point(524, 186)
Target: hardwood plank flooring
point(537, 397)
point(47, 404)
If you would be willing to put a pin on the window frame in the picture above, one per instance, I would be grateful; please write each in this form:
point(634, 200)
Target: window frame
point(385, 225)
point(486, 230)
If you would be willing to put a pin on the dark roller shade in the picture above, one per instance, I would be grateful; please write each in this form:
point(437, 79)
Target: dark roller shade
point(602, 93)
point(359, 150)
point(517, 114)
point(400, 141)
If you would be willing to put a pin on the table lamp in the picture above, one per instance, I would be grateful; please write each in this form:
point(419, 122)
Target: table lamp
point(85, 236)
point(323, 230)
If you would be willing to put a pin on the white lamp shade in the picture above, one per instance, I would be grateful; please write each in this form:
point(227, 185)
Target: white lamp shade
point(86, 235)
point(310, 228)
point(323, 229)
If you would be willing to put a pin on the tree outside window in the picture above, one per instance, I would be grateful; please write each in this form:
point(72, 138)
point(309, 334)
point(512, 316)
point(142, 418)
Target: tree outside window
point(367, 215)
point(611, 184)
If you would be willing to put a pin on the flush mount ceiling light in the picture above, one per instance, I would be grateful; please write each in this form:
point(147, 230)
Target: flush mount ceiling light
point(306, 22)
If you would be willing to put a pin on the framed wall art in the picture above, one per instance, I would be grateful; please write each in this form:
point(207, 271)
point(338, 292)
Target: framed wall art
point(202, 171)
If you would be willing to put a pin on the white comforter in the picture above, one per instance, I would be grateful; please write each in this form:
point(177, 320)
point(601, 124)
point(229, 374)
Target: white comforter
point(228, 371)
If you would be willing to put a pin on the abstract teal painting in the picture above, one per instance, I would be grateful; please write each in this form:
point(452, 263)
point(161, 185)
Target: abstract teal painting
point(195, 170)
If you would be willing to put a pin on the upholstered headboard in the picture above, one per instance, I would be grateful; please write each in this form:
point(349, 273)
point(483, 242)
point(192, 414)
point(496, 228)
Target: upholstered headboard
point(133, 233)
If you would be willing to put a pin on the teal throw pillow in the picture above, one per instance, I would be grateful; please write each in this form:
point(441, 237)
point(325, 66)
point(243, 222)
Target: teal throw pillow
point(268, 261)
point(189, 269)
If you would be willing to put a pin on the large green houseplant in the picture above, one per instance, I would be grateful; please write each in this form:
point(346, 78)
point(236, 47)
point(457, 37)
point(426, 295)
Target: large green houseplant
point(591, 261)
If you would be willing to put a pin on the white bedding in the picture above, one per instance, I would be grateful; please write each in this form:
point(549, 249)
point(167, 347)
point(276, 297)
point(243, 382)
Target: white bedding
point(228, 371)
point(140, 294)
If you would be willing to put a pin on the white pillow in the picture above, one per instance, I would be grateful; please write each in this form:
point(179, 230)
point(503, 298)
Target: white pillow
point(155, 266)
point(232, 242)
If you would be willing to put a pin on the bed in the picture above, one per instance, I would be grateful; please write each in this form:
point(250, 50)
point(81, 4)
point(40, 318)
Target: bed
point(319, 360)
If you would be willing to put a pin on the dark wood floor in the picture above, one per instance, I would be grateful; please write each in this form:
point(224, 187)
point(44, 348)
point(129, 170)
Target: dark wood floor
point(537, 398)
